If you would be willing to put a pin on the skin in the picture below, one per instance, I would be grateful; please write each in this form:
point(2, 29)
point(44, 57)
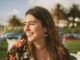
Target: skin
point(34, 30)
point(35, 33)
point(41, 37)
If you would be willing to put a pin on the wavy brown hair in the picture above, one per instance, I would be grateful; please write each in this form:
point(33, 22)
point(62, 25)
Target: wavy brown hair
point(53, 44)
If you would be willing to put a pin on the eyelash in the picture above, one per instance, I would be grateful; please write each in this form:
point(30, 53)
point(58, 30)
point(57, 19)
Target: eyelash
point(29, 23)
point(32, 23)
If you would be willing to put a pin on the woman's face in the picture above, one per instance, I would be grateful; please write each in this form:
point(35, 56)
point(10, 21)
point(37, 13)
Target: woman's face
point(33, 28)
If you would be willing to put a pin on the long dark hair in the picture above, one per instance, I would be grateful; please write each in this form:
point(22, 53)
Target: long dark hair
point(53, 44)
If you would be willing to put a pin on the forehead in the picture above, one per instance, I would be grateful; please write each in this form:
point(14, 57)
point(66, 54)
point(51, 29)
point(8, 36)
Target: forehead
point(29, 18)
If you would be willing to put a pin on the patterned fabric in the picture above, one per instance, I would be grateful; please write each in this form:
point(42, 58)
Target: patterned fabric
point(18, 51)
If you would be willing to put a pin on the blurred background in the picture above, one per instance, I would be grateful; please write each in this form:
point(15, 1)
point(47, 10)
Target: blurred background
point(65, 13)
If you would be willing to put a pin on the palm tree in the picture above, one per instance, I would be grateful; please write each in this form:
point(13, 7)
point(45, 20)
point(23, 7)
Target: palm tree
point(14, 21)
point(74, 12)
point(58, 13)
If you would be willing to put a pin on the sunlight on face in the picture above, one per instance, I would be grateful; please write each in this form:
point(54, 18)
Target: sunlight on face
point(33, 28)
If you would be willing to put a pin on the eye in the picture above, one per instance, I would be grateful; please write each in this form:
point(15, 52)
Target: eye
point(32, 23)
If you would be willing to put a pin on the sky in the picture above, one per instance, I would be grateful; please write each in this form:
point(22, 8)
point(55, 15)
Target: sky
point(19, 7)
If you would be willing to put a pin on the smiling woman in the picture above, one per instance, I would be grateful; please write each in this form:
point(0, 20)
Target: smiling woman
point(42, 41)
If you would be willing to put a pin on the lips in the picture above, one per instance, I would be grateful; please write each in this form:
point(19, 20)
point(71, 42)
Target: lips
point(29, 34)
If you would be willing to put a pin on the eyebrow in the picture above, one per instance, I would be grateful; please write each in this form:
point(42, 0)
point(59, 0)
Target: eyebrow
point(31, 21)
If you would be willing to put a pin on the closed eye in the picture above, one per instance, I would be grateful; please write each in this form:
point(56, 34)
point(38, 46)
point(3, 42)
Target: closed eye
point(32, 23)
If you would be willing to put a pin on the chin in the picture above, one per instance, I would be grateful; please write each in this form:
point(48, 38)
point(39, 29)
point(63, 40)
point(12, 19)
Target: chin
point(30, 39)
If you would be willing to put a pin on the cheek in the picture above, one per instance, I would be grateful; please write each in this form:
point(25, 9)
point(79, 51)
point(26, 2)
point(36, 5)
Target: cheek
point(39, 31)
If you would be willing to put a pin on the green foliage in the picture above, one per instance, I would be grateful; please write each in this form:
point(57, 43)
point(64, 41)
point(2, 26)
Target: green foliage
point(16, 30)
point(73, 58)
point(70, 30)
point(14, 23)
point(59, 12)
point(74, 11)
point(77, 30)
point(73, 46)
point(3, 50)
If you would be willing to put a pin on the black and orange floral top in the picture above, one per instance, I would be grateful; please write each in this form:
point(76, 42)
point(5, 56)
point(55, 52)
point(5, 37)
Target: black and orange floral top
point(18, 51)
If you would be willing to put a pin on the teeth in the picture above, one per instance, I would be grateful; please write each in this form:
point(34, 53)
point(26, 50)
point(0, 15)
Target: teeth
point(29, 34)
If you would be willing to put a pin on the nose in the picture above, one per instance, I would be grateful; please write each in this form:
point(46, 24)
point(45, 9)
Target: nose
point(26, 27)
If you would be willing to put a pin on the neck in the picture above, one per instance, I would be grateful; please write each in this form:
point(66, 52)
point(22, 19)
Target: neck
point(39, 44)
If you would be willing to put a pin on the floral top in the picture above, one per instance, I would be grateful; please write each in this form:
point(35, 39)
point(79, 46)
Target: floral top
point(18, 51)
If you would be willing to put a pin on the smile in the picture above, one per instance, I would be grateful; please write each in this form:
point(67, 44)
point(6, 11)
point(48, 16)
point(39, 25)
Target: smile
point(29, 34)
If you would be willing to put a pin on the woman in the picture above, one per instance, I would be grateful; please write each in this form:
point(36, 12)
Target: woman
point(42, 39)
